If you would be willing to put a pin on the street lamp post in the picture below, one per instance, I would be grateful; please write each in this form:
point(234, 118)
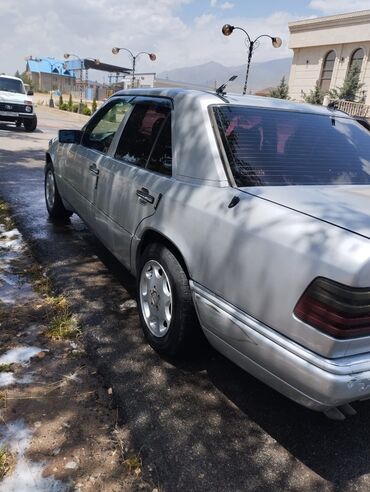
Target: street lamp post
point(52, 65)
point(66, 56)
point(152, 57)
point(227, 29)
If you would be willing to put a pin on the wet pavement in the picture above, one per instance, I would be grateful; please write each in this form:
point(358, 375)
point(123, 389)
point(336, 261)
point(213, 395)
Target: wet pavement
point(202, 424)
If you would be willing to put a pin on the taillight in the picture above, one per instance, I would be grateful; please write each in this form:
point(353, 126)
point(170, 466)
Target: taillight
point(337, 309)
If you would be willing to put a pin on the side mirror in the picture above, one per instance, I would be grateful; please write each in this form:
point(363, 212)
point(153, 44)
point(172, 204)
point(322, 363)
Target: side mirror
point(69, 136)
point(29, 93)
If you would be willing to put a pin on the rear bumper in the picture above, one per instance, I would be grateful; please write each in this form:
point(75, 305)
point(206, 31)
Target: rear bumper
point(305, 377)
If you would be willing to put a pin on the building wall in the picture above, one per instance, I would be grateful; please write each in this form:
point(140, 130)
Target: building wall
point(311, 41)
point(46, 82)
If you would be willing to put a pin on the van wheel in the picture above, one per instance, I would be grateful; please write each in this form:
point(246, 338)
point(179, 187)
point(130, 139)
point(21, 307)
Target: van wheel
point(54, 203)
point(165, 304)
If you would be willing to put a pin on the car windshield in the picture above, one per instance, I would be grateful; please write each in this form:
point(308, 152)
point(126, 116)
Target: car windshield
point(275, 148)
point(11, 85)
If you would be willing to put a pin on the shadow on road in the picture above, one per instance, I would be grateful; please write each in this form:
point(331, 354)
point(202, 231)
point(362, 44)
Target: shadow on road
point(202, 419)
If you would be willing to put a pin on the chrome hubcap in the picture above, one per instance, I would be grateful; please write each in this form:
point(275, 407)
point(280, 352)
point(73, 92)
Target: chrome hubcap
point(50, 189)
point(155, 298)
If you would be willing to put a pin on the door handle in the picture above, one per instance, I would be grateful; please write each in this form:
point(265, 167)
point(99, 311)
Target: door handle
point(94, 170)
point(144, 194)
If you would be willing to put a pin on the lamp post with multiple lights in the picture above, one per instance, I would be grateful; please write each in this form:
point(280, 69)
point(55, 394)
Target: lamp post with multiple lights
point(67, 56)
point(227, 29)
point(52, 65)
point(151, 56)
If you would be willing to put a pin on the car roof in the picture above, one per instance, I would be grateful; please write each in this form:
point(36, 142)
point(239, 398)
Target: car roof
point(9, 77)
point(246, 100)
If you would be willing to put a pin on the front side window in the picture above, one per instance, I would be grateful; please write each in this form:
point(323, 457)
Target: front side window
point(102, 127)
point(141, 132)
point(278, 148)
point(327, 71)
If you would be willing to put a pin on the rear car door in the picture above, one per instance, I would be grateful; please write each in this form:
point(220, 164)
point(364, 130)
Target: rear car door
point(81, 170)
point(135, 177)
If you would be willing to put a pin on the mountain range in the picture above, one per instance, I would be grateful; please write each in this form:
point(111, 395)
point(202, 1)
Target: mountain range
point(212, 74)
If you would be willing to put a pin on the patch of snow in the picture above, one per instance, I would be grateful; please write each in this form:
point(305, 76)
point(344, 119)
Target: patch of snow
point(6, 379)
point(9, 379)
point(19, 355)
point(27, 475)
point(129, 304)
point(11, 240)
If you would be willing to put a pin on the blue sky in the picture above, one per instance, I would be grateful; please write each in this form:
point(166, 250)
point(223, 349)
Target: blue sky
point(253, 8)
point(180, 32)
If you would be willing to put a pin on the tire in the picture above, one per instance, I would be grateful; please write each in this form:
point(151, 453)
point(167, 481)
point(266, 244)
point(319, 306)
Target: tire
point(30, 124)
point(54, 204)
point(165, 304)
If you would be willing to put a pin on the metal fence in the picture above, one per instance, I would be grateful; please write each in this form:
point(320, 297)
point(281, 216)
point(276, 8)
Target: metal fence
point(354, 108)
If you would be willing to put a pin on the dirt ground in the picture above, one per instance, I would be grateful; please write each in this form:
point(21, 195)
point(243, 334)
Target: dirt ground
point(58, 427)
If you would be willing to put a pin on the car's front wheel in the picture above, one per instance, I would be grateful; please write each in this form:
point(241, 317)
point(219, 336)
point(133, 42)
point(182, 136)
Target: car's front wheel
point(30, 124)
point(165, 304)
point(54, 203)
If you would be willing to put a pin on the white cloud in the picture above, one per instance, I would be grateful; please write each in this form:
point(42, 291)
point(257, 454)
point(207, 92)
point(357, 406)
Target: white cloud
point(339, 6)
point(92, 27)
point(226, 5)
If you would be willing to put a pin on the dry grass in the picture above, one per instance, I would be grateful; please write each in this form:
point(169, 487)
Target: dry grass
point(62, 324)
point(5, 219)
point(6, 368)
point(7, 462)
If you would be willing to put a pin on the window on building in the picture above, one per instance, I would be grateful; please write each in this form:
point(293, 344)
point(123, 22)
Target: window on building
point(357, 58)
point(327, 71)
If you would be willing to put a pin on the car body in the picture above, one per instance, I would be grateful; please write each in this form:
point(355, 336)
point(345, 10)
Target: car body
point(219, 205)
point(16, 106)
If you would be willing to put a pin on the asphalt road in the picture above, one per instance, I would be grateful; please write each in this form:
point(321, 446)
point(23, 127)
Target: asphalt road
point(201, 424)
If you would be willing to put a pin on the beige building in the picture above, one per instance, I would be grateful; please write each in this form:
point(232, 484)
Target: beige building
point(324, 50)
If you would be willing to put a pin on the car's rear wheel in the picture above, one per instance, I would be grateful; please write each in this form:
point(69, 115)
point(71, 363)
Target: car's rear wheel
point(54, 203)
point(165, 304)
point(30, 124)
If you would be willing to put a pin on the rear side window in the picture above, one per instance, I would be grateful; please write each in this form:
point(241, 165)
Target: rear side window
point(161, 157)
point(141, 132)
point(275, 148)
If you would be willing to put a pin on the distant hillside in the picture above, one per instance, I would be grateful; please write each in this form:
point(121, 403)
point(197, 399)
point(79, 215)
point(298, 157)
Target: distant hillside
point(261, 75)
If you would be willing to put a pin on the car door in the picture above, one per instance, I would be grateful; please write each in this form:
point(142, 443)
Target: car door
point(134, 178)
point(81, 170)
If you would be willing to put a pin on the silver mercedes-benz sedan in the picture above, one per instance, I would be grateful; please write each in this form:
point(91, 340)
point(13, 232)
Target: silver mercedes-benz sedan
point(245, 217)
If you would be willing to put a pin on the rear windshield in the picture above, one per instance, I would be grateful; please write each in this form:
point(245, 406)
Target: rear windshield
point(11, 85)
point(275, 148)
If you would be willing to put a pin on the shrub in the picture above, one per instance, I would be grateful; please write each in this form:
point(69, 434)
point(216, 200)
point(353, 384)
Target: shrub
point(315, 96)
point(75, 108)
point(64, 107)
point(60, 101)
point(86, 110)
point(94, 105)
point(281, 91)
point(70, 103)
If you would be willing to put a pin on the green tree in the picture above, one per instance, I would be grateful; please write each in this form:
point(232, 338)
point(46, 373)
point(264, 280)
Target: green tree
point(26, 79)
point(94, 105)
point(281, 91)
point(70, 102)
point(351, 85)
point(17, 74)
point(61, 101)
point(315, 96)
